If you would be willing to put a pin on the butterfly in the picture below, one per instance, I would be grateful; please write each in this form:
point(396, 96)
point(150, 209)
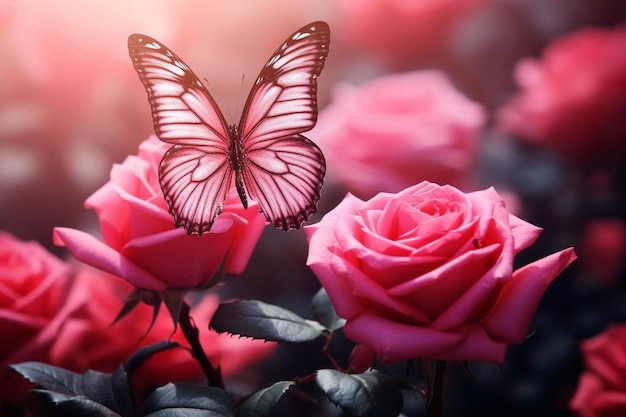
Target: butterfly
point(266, 155)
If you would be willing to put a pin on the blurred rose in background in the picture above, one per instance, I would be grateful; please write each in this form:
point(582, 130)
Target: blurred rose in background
point(401, 33)
point(34, 287)
point(601, 388)
point(573, 100)
point(398, 130)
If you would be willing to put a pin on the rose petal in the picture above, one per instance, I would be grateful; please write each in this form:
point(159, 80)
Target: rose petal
point(197, 258)
point(398, 342)
point(92, 251)
point(509, 320)
point(436, 290)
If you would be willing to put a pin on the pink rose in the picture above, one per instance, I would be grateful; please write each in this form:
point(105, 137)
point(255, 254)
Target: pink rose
point(601, 388)
point(401, 31)
point(398, 130)
point(88, 341)
point(428, 272)
point(573, 100)
point(141, 244)
point(33, 289)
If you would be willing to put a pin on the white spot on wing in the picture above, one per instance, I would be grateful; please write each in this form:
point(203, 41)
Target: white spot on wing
point(300, 35)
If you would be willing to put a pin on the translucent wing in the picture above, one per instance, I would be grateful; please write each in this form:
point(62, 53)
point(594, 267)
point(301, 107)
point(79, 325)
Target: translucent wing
point(282, 170)
point(195, 174)
point(285, 177)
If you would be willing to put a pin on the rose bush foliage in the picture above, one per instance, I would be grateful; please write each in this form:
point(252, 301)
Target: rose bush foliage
point(428, 272)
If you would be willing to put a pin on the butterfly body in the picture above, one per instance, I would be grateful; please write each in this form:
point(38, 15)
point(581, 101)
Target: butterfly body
point(237, 156)
point(265, 153)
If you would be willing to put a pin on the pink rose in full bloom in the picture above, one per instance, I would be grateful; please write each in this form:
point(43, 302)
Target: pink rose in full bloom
point(428, 272)
point(601, 388)
point(141, 243)
point(401, 32)
point(398, 130)
point(573, 99)
point(33, 288)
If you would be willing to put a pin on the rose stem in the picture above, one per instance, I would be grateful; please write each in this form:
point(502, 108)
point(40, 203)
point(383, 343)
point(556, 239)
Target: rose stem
point(435, 406)
point(191, 333)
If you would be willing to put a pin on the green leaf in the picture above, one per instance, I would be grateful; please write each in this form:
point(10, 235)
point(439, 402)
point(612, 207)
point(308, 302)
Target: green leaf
point(261, 402)
point(189, 400)
point(371, 394)
point(324, 311)
point(251, 318)
point(77, 405)
point(51, 378)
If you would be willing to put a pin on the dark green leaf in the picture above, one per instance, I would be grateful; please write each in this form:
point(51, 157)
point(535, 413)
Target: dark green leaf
point(122, 391)
point(51, 378)
point(261, 402)
point(99, 387)
point(324, 311)
point(77, 405)
point(259, 320)
point(138, 357)
point(371, 394)
point(189, 400)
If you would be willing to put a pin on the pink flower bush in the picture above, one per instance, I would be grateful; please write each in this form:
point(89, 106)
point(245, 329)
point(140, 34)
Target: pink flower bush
point(33, 287)
point(141, 244)
point(572, 100)
point(401, 31)
point(601, 388)
point(398, 130)
point(428, 272)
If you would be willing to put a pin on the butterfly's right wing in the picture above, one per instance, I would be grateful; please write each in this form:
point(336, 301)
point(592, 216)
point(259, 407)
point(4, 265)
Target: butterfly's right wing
point(195, 174)
point(283, 171)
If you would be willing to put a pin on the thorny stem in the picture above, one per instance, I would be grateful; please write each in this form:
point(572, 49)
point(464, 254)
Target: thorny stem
point(191, 333)
point(329, 356)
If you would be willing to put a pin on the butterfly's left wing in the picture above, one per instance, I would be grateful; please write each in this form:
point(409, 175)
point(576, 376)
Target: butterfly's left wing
point(282, 170)
point(195, 174)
